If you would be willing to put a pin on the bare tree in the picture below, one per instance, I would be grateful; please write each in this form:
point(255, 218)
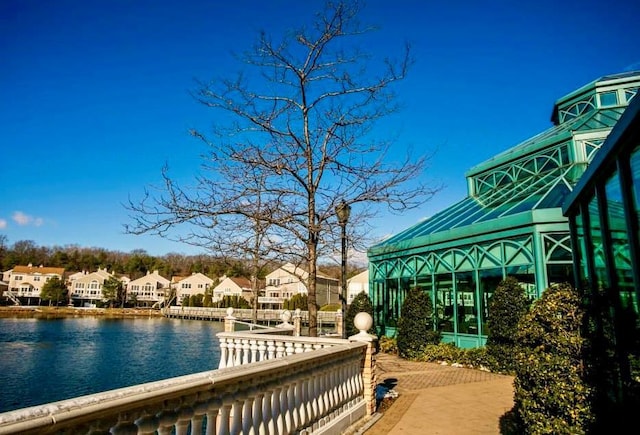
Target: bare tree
point(302, 119)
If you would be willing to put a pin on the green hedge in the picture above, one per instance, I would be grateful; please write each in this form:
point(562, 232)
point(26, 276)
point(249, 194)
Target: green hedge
point(415, 325)
point(551, 396)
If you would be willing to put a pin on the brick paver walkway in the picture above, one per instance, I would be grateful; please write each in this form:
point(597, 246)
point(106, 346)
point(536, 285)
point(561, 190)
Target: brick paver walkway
point(438, 399)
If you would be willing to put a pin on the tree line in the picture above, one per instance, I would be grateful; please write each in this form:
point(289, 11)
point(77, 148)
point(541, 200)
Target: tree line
point(134, 264)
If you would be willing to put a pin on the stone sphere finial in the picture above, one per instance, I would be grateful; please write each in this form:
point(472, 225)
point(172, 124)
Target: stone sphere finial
point(230, 311)
point(363, 322)
point(286, 316)
point(298, 311)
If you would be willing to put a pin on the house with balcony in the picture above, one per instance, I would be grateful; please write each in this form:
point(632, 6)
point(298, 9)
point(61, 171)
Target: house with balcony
point(149, 289)
point(196, 283)
point(233, 286)
point(85, 288)
point(289, 280)
point(25, 282)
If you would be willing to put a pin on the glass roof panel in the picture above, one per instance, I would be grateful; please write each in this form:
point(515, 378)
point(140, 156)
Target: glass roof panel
point(515, 180)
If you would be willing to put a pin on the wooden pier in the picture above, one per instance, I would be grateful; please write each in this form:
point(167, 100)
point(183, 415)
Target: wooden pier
point(264, 316)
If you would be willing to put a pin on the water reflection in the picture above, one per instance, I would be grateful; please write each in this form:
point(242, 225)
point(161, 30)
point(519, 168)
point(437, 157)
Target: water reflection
point(46, 360)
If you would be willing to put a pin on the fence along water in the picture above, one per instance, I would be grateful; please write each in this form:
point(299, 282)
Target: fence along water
point(312, 385)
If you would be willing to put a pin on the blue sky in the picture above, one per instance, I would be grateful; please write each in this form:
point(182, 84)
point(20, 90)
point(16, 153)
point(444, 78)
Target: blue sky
point(94, 95)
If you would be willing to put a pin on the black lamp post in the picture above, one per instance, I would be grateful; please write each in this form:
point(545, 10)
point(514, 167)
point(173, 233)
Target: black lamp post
point(343, 210)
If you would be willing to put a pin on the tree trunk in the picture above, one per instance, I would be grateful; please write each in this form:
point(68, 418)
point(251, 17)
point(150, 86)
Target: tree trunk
point(311, 290)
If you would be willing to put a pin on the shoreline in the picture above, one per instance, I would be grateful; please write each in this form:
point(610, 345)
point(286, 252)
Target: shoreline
point(60, 312)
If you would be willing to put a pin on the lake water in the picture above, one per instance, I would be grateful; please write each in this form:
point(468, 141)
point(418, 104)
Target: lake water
point(44, 361)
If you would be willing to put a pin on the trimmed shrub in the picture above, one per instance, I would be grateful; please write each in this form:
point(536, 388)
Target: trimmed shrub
point(506, 307)
point(234, 302)
point(451, 354)
point(361, 303)
point(415, 326)
point(299, 300)
point(550, 393)
point(388, 345)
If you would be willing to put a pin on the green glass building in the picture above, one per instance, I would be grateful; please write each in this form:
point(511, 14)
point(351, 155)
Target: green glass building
point(604, 216)
point(510, 224)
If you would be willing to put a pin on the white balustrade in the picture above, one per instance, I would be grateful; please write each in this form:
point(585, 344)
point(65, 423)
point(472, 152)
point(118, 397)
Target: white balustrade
point(267, 384)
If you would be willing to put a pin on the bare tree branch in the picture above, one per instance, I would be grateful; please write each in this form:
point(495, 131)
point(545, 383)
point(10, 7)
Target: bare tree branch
point(301, 141)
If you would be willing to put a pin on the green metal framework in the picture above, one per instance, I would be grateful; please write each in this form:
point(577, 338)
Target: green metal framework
point(604, 214)
point(510, 224)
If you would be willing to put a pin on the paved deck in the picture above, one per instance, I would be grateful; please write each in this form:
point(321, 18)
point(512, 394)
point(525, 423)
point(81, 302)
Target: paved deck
point(437, 399)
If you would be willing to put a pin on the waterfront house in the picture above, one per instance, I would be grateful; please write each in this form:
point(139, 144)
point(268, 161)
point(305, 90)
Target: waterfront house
point(236, 286)
point(289, 280)
point(357, 284)
point(86, 288)
point(196, 283)
point(25, 282)
point(148, 290)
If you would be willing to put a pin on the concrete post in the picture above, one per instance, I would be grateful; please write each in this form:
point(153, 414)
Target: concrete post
point(340, 324)
point(297, 323)
point(363, 322)
point(229, 321)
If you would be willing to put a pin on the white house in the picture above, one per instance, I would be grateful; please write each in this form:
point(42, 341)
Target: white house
point(86, 288)
point(357, 284)
point(233, 287)
point(26, 282)
point(289, 280)
point(197, 283)
point(149, 289)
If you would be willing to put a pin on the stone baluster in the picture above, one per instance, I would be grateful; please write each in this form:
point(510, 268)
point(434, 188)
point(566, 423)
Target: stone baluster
point(280, 349)
point(237, 362)
point(256, 412)
point(268, 425)
point(247, 409)
point(199, 411)
point(293, 406)
point(262, 350)
point(245, 351)
point(213, 410)
point(276, 410)
point(324, 392)
point(289, 348)
point(231, 352)
point(225, 414)
point(344, 382)
point(351, 390)
point(284, 406)
point(184, 414)
point(125, 425)
point(166, 421)
point(147, 424)
point(223, 353)
point(236, 414)
point(322, 402)
point(302, 401)
point(253, 344)
point(271, 349)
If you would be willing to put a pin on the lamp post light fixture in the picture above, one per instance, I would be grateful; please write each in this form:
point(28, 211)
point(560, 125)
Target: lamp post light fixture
point(343, 210)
